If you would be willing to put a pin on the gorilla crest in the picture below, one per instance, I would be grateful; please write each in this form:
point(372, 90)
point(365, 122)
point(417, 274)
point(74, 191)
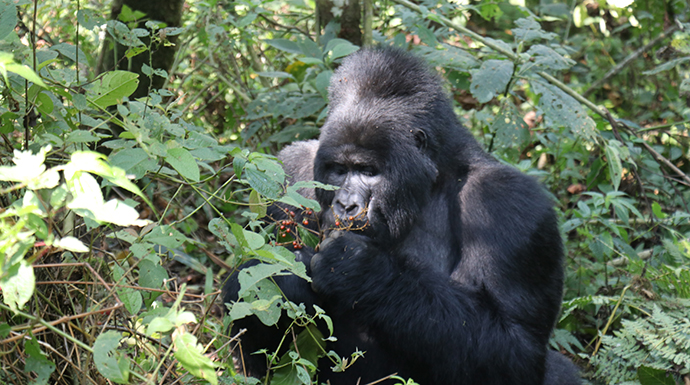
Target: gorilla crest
point(455, 274)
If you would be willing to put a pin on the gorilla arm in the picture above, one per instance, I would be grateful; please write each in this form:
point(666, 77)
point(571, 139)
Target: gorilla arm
point(488, 320)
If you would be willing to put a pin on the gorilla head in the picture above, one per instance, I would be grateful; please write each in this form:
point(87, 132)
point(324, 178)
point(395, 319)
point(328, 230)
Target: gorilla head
point(389, 121)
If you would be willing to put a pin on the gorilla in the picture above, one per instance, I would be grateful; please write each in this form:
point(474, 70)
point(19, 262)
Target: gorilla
point(442, 264)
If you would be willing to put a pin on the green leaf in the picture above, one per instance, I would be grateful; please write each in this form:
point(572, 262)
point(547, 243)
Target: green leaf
point(250, 276)
point(560, 109)
point(8, 17)
point(37, 362)
point(340, 48)
point(80, 136)
point(426, 35)
point(70, 51)
point(490, 11)
point(165, 235)
point(184, 163)
point(658, 212)
point(529, 29)
point(614, 162)
point(275, 74)
point(190, 355)
point(112, 87)
point(491, 79)
point(18, 285)
point(308, 238)
point(151, 274)
point(132, 300)
point(510, 129)
point(667, 66)
point(159, 325)
point(652, 376)
point(261, 182)
point(284, 45)
point(25, 72)
point(71, 244)
point(544, 56)
point(111, 363)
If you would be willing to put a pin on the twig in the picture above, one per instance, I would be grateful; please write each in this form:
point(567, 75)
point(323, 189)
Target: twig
point(619, 67)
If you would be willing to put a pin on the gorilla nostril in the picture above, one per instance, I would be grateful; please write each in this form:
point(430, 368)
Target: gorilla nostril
point(352, 210)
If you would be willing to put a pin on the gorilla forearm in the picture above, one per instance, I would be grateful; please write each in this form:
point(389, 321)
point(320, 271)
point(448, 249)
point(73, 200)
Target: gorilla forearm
point(409, 309)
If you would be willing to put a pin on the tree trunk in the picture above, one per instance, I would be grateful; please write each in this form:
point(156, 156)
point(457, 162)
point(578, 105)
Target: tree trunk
point(347, 12)
point(160, 56)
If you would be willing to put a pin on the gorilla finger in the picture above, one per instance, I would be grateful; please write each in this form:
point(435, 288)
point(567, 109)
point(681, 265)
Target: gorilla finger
point(330, 238)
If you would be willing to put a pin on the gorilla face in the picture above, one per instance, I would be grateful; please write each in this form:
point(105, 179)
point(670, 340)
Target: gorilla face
point(355, 154)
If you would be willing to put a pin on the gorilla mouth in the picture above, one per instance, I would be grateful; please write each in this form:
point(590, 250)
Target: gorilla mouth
point(358, 222)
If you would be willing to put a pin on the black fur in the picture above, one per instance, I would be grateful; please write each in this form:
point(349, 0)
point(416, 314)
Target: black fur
point(457, 279)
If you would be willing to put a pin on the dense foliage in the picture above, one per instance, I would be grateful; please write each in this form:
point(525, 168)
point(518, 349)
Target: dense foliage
point(112, 248)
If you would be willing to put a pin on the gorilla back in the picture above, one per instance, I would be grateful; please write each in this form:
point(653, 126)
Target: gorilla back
point(446, 266)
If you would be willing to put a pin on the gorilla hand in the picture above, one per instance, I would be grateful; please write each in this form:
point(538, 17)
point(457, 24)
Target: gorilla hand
point(347, 267)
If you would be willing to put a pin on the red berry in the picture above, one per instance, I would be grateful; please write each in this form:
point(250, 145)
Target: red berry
point(287, 230)
point(292, 214)
point(337, 223)
point(282, 227)
point(351, 218)
point(283, 235)
point(305, 222)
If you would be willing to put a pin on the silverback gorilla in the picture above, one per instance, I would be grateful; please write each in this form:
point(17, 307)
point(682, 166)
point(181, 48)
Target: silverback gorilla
point(455, 274)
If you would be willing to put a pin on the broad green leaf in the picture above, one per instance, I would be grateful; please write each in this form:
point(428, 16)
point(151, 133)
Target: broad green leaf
point(652, 376)
point(262, 182)
point(159, 325)
point(340, 48)
point(284, 45)
point(71, 244)
point(257, 205)
point(37, 362)
point(656, 209)
point(613, 160)
point(132, 300)
point(322, 81)
point(250, 276)
point(165, 235)
point(426, 35)
point(529, 29)
point(18, 285)
point(491, 79)
point(25, 72)
point(184, 163)
point(546, 57)
point(70, 51)
point(112, 87)
point(560, 109)
point(667, 66)
point(8, 17)
point(80, 136)
point(190, 355)
point(510, 130)
point(112, 364)
point(240, 310)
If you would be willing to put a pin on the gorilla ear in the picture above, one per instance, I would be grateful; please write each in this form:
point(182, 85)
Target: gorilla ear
point(420, 139)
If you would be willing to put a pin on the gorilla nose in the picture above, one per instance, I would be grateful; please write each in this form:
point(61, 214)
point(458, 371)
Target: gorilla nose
point(346, 209)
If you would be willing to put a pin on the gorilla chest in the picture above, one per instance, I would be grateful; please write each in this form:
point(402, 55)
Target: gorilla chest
point(432, 242)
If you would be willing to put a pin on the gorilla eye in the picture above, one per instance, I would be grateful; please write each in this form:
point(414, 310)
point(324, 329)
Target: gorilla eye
point(368, 171)
point(338, 169)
